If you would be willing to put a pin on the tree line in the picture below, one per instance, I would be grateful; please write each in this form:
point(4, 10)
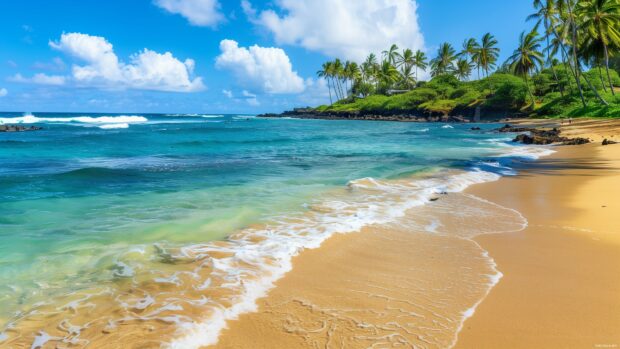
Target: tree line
point(568, 37)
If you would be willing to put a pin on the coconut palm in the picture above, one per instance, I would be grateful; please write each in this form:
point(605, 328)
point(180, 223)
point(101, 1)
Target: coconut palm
point(351, 73)
point(387, 74)
point(337, 73)
point(600, 18)
point(527, 58)
point(407, 78)
point(405, 59)
point(324, 74)
point(546, 12)
point(470, 46)
point(487, 54)
point(463, 69)
point(419, 62)
point(444, 62)
point(391, 55)
point(566, 9)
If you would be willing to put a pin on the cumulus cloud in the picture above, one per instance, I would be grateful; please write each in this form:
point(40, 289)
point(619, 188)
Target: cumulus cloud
point(204, 13)
point(267, 69)
point(342, 28)
point(40, 79)
point(3, 92)
point(146, 70)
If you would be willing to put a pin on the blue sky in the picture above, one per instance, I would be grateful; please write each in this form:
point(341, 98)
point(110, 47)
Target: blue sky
point(215, 56)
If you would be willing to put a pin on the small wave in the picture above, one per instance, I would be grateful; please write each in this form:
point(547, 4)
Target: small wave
point(447, 126)
point(211, 116)
point(528, 152)
point(32, 119)
point(114, 126)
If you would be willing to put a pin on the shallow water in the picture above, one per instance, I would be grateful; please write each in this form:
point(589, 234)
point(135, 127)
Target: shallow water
point(119, 223)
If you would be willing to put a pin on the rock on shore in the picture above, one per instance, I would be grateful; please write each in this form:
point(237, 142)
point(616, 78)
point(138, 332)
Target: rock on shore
point(541, 136)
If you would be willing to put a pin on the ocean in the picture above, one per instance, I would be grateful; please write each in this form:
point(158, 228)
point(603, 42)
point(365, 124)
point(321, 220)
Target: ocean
point(119, 224)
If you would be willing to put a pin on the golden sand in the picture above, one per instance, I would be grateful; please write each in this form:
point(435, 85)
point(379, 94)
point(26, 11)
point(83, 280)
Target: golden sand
point(562, 274)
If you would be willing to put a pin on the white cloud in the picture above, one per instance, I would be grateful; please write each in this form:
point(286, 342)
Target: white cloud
point(228, 93)
point(204, 13)
point(147, 70)
point(264, 68)
point(40, 79)
point(250, 98)
point(3, 92)
point(342, 28)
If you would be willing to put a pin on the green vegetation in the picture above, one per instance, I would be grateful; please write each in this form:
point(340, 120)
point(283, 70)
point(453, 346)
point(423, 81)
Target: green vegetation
point(567, 65)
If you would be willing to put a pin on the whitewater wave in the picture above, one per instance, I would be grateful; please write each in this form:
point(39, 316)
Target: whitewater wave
point(32, 119)
point(114, 126)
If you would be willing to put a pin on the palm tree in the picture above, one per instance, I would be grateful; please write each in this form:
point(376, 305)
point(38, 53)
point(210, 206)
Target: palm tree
point(568, 16)
point(487, 54)
point(351, 73)
point(405, 59)
point(392, 54)
point(600, 20)
point(337, 71)
point(463, 69)
point(546, 13)
point(470, 47)
point(444, 62)
point(419, 62)
point(387, 74)
point(324, 74)
point(407, 77)
point(527, 58)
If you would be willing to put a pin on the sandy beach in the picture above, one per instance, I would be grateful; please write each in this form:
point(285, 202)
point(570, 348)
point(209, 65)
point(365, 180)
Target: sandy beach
point(383, 287)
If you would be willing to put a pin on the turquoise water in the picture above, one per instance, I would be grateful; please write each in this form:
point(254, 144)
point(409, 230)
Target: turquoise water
point(78, 195)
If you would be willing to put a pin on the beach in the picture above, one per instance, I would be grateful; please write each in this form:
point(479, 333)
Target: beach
point(559, 287)
point(428, 236)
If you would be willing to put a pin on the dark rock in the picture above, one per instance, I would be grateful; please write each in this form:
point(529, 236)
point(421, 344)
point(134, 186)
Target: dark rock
point(475, 128)
point(609, 142)
point(16, 128)
point(575, 141)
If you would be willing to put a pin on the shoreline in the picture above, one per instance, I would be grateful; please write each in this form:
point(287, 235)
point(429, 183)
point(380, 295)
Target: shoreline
point(268, 327)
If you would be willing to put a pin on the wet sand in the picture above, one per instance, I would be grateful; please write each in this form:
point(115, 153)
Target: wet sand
point(560, 289)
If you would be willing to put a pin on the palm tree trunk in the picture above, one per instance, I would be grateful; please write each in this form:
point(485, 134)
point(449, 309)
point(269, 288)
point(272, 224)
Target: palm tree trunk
point(611, 85)
point(566, 67)
point(600, 75)
point(529, 90)
point(329, 87)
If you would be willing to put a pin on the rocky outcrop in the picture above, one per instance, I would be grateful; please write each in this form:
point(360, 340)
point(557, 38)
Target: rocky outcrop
point(609, 142)
point(541, 136)
point(387, 115)
point(16, 128)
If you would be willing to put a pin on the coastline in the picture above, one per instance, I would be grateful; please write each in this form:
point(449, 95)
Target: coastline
point(311, 294)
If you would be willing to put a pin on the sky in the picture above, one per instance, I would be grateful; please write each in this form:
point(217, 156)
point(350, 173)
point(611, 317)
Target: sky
point(216, 56)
